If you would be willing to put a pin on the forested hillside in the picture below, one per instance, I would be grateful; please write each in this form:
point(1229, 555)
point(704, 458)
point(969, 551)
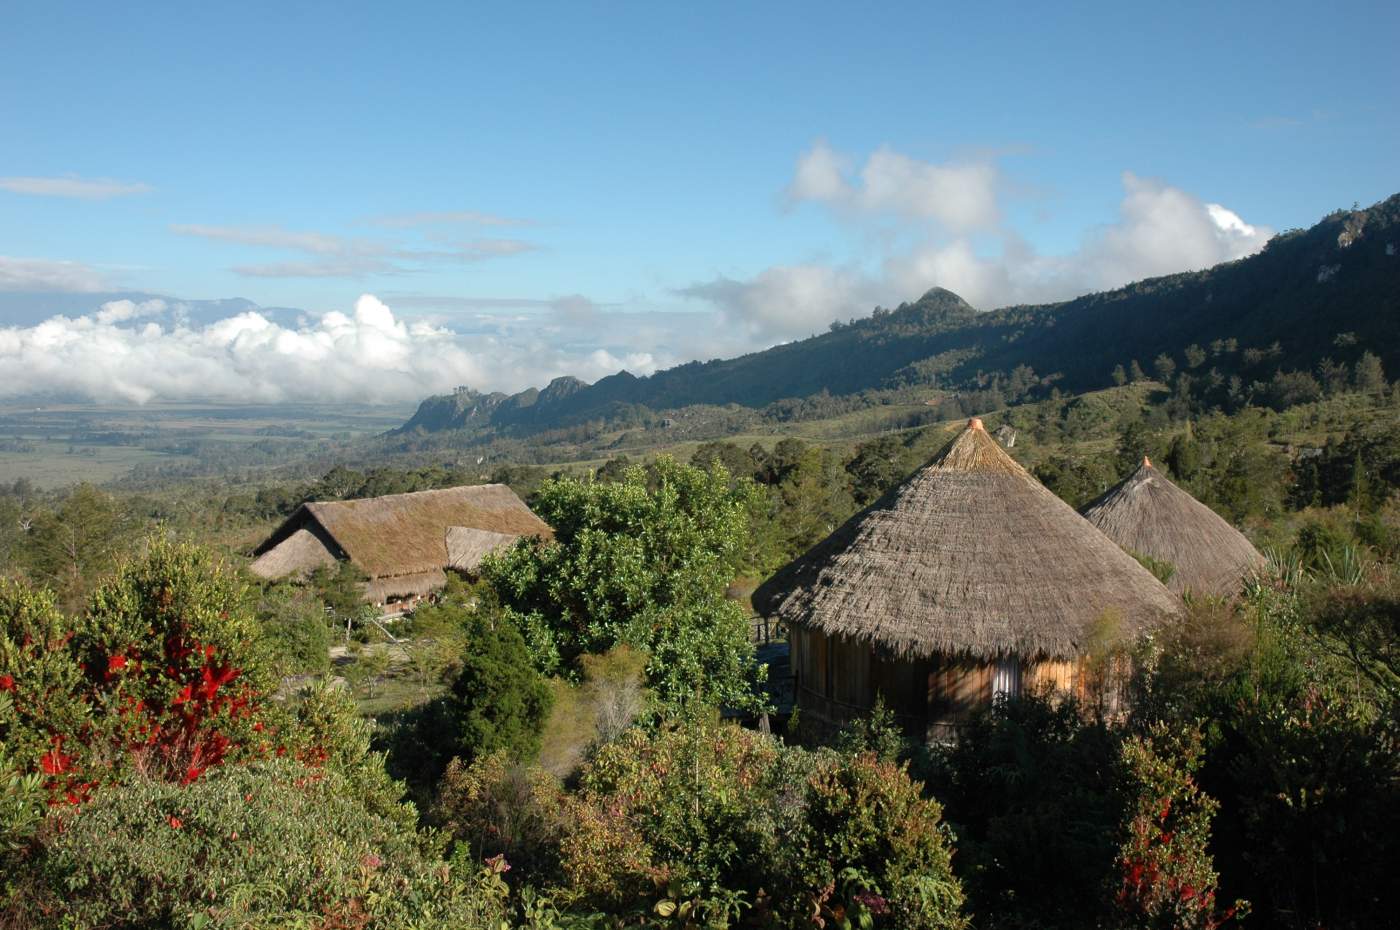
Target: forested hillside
point(1310, 298)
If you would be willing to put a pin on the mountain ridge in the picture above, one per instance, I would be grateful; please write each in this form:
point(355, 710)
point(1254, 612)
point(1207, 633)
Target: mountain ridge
point(1291, 301)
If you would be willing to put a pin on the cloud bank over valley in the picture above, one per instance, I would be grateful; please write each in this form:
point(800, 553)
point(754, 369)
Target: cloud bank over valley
point(140, 351)
point(902, 224)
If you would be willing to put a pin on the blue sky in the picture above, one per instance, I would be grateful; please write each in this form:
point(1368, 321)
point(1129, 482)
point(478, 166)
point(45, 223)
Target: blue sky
point(660, 181)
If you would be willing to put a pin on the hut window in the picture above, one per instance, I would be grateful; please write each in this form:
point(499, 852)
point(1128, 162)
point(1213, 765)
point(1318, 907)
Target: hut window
point(1006, 679)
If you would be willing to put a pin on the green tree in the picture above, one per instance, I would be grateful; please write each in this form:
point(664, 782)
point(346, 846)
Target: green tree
point(1195, 356)
point(341, 588)
point(1164, 367)
point(1334, 377)
point(1120, 377)
point(1370, 376)
point(499, 700)
point(294, 627)
point(1134, 442)
point(644, 562)
point(1135, 372)
point(70, 548)
point(877, 466)
point(1184, 456)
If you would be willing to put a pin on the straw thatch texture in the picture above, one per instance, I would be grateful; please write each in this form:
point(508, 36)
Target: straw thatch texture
point(301, 553)
point(1146, 513)
point(971, 556)
point(380, 590)
point(399, 536)
point(467, 546)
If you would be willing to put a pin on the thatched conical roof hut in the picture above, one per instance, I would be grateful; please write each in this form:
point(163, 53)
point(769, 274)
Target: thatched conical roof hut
point(1149, 515)
point(950, 587)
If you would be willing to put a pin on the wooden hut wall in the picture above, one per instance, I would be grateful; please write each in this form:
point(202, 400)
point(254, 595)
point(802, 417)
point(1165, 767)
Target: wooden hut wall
point(838, 680)
point(1050, 675)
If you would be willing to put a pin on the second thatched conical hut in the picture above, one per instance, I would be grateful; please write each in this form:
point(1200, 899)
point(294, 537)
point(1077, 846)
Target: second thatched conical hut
point(969, 580)
point(1149, 515)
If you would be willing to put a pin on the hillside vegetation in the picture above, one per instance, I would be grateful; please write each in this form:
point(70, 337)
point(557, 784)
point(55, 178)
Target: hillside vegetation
point(1310, 295)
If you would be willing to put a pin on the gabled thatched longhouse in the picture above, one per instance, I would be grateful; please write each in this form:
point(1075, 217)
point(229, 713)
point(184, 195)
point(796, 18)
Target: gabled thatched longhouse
point(1149, 515)
point(968, 580)
point(404, 542)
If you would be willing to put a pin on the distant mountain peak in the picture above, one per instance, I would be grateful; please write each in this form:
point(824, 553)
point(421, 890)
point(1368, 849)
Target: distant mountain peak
point(1299, 294)
point(943, 298)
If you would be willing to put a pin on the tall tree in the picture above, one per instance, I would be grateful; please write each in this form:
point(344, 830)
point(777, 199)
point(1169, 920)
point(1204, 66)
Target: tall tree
point(643, 562)
point(1370, 376)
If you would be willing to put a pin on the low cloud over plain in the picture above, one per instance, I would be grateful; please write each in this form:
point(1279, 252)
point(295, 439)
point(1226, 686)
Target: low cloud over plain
point(140, 351)
point(911, 224)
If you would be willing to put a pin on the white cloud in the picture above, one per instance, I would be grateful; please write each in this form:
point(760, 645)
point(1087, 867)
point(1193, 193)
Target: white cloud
point(118, 311)
point(951, 216)
point(343, 256)
point(75, 187)
point(331, 268)
point(961, 197)
point(450, 217)
point(42, 274)
point(139, 352)
point(788, 301)
point(275, 237)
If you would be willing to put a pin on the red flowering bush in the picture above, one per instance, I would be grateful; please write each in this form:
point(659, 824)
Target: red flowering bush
point(1167, 880)
point(162, 674)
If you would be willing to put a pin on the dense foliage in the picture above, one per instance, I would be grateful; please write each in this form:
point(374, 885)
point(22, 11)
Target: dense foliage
point(705, 825)
point(643, 562)
point(148, 779)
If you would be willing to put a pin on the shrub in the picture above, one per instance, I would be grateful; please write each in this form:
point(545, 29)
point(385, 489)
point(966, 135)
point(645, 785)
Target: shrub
point(1031, 794)
point(1167, 880)
point(872, 847)
point(679, 815)
point(164, 673)
point(272, 844)
point(714, 825)
point(498, 807)
point(294, 627)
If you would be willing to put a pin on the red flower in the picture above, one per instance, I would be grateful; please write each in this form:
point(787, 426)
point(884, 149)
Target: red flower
point(175, 822)
point(54, 762)
point(7, 683)
point(116, 662)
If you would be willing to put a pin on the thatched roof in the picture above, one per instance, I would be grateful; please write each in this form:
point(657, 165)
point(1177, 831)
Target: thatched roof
point(970, 556)
point(400, 536)
point(1149, 515)
point(467, 546)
